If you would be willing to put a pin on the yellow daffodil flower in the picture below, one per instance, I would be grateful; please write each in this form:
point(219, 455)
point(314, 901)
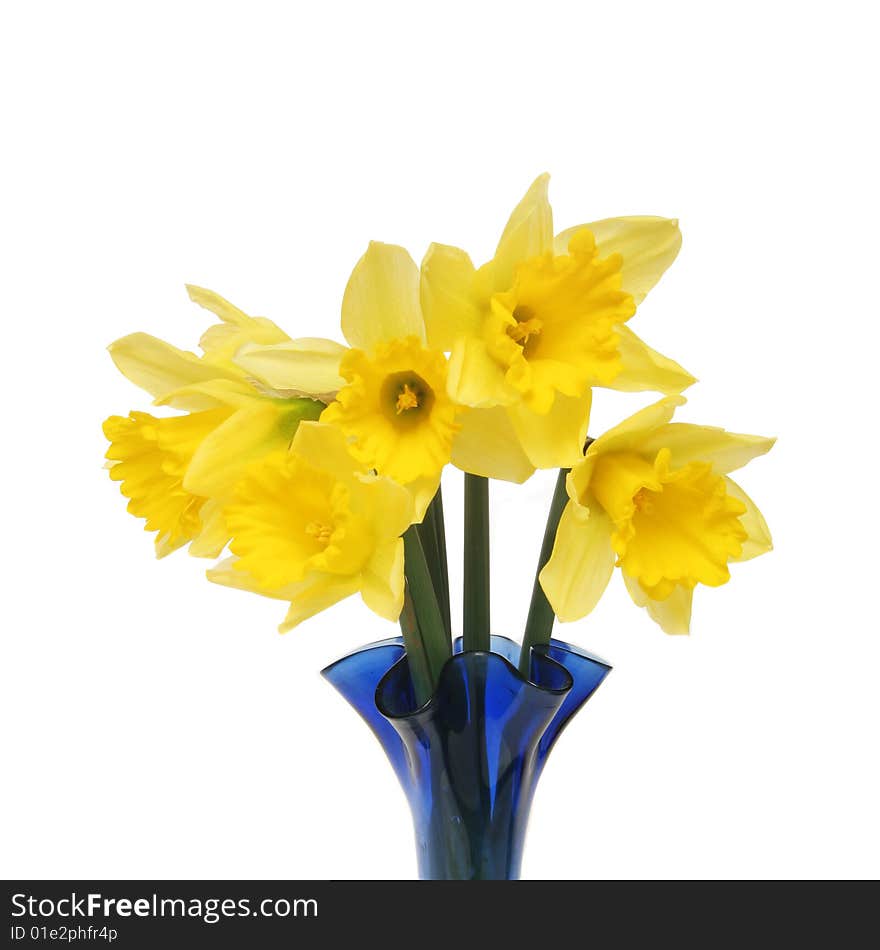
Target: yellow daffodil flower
point(534, 328)
point(394, 407)
point(653, 498)
point(312, 526)
point(176, 470)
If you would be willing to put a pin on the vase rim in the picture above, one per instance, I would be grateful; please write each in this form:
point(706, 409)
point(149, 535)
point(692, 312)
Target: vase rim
point(375, 645)
point(493, 656)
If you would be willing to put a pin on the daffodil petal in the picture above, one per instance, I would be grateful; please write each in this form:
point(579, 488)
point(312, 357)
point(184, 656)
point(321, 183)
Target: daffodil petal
point(159, 368)
point(306, 366)
point(487, 445)
point(227, 574)
point(165, 545)
point(382, 581)
point(633, 431)
point(647, 244)
point(577, 481)
point(210, 394)
point(672, 614)
point(759, 540)
point(529, 233)
point(381, 300)
point(580, 567)
point(646, 369)
point(727, 451)
point(314, 594)
point(421, 491)
point(385, 504)
point(217, 305)
point(221, 341)
point(474, 378)
point(325, 447)
point(554, 439)
point(449, 303)
point(247, 435)
point(308, 597)
point(214, 534)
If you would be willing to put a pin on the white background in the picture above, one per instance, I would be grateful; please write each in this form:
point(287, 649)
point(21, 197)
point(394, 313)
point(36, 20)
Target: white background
point(155, 725)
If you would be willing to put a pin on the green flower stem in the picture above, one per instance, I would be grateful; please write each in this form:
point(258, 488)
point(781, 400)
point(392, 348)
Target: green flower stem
point(428, 646)
point(432, 534)
point(539, 624)
point(419, 670)
point(440, 533)
point(476, 563)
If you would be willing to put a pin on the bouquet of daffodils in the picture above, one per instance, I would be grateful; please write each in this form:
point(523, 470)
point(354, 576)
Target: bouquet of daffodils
point(318, 465)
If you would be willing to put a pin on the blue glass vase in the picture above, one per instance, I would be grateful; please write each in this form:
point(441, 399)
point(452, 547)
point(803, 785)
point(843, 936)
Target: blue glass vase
point(469, 759)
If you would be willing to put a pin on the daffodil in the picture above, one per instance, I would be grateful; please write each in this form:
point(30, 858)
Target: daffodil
point(176, 470)
point(394, 406)
point(653, 497)
point(312, 526)
point(533, 329)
